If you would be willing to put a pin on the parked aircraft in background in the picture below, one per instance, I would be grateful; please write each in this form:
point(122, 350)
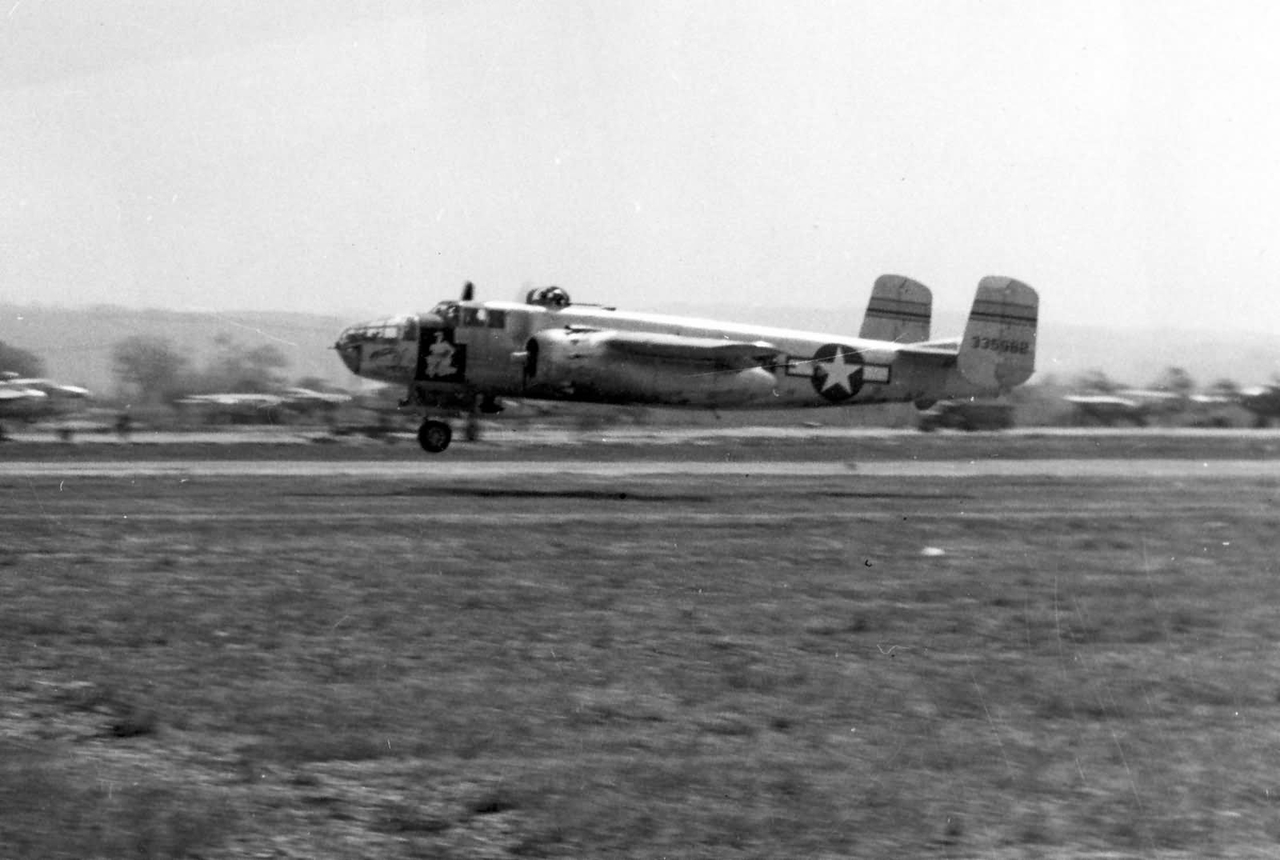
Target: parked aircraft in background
point(31, 399)
point(265, 406)
point(1134, 406)
point(465, 355)
point(1263, 401)
point(1140, 407)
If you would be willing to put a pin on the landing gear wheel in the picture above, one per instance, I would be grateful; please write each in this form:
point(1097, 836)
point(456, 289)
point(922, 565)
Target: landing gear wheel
point(434, 436)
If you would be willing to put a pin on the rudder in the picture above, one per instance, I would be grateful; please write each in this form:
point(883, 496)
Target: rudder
point(899, 310)
point(998, 351)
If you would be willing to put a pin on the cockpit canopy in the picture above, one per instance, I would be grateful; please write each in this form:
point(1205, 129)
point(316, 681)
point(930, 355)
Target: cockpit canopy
point(402, 327)
point(548, 297)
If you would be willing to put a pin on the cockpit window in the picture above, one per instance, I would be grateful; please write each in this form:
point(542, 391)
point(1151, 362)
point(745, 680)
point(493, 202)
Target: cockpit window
point(388, 329)
point(447, 311)
point(482, 317)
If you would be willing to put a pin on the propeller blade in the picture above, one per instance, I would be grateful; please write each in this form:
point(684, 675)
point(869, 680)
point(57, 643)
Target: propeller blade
point(468, 291)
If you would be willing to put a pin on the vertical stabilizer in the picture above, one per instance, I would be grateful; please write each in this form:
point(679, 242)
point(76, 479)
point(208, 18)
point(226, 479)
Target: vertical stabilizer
point(999, 346)
point(899, 310)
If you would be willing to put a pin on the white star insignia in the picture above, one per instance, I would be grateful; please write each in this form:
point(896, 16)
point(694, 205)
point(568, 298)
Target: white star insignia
point(835, 372)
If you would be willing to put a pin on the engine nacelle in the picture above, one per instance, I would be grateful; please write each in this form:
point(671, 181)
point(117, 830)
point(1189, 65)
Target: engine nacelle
point(579, 365)
point(562, 360)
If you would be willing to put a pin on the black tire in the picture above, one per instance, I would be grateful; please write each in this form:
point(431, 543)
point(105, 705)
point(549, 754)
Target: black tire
point(434, 436)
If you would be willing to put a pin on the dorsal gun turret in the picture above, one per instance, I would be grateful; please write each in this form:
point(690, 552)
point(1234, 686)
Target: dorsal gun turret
point(548, 297)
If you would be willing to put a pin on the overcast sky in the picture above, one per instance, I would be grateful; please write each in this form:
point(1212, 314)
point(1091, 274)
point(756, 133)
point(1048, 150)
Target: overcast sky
point(1123, 158)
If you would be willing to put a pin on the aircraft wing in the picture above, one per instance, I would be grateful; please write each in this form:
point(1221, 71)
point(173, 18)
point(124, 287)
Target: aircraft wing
point(22, 402)
point(13, 395)
point(1101, 400)
point(308, 396)
point(234, 399)
point(1148, 395)
point(720, 353)
point(49, 388)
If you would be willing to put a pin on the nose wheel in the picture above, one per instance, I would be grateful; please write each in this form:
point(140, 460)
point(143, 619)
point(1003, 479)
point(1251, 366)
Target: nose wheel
point(434, 436)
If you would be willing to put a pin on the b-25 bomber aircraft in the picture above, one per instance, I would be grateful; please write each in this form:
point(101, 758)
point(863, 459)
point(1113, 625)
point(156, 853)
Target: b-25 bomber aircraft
point(465, 355)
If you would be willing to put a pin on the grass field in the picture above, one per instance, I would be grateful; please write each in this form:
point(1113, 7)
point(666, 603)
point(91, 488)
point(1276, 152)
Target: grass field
point(580, 667)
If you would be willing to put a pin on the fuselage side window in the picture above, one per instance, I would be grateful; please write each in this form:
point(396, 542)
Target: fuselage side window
point(497, 319)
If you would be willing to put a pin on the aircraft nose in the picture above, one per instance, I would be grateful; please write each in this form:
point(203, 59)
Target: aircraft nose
point(348, 347)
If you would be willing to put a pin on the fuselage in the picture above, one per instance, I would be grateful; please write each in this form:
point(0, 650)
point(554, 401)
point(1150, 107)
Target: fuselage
point(571, 352)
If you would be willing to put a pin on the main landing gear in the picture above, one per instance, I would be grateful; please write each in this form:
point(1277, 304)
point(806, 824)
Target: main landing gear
point(434, 435)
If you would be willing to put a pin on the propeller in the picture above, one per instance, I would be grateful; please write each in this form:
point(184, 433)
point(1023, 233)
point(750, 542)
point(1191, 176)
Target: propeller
point(468, 291)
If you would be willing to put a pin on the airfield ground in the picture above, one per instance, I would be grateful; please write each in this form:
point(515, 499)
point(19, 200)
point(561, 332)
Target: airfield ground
point(708, 656)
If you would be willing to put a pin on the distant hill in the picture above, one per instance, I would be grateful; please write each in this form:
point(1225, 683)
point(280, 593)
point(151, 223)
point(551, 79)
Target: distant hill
point(76, 343)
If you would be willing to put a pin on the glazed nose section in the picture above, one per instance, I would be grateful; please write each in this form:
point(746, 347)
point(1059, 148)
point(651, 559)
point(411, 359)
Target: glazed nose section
point(348, 347)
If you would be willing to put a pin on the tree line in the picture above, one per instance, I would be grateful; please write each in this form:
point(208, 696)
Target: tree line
point(1174, 380)
point(14, 359)
point(152, 369)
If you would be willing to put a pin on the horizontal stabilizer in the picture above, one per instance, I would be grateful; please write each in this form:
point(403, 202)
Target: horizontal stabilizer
point(900, 310)
point(998, 350)
point(724, 354)
point(944, 347)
